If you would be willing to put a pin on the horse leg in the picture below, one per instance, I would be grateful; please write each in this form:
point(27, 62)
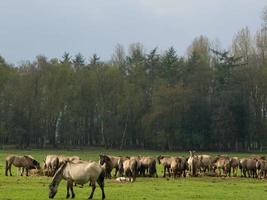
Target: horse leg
point(169, 172)
point(133, 174)
point(156, 172)
point(9, 168)
point(164, 171)
point(244, 173)
point(100, 182)
point(116, 171)
point(21, 171)
point(68, 187)
point(27, 172)
point(93, 190)
point(109, 175)
point(71, 189)
point(6, 168)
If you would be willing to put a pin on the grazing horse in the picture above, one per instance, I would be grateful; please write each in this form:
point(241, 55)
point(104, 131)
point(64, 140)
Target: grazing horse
point(24, 162)
point(81, 173)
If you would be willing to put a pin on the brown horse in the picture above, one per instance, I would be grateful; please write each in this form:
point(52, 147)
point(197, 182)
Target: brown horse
point(24, 162)
point(81, 173)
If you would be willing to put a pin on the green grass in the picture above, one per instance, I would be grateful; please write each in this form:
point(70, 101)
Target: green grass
point(33, 187)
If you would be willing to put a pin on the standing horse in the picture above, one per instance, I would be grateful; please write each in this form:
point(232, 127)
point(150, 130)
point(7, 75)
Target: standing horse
point(51, 164)
point(81, 173)
point(129, 167)
point(111, 163)
point(24, 162)
point(166, 162)
point(148, 164)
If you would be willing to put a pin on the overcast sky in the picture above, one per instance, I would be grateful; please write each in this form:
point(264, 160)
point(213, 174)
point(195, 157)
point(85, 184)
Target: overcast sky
point(50, 27)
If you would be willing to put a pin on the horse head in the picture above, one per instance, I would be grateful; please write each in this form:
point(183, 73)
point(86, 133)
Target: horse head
point(104, 159)
point(52, 190)
point(56, 180)
point(159, 158)
point(36, 164)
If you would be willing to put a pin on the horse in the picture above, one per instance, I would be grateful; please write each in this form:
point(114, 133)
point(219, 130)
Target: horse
point(166, 162)
point(176, 166)
point(234, 162)
point(51, 163)
point(222, 163)
point(111, 163)
point(193, 163)
point(81, 173)
point(129, 167)
point(62, 159)
point(24, 162)
point(148, 164)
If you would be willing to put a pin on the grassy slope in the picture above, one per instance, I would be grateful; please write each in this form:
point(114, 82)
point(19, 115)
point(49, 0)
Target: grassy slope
point(22, 188)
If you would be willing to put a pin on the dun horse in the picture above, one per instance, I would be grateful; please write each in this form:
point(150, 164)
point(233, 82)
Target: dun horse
point(111, 163)
point(81, 173)
point(24, 162)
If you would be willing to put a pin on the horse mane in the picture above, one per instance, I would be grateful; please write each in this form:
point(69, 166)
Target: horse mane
point(28, 157)
point(106, 158)
point(58, 172)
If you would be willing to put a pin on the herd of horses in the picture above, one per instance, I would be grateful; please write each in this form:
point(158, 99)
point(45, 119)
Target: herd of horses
point(127, 168)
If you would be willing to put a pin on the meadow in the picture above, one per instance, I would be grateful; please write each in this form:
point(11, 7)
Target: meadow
point(36, 187)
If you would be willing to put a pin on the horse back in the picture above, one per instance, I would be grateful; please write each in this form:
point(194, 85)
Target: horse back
point(82, 172)
point(18, 161)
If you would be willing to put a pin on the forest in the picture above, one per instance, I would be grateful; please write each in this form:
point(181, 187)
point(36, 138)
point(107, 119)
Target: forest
point(208, 99)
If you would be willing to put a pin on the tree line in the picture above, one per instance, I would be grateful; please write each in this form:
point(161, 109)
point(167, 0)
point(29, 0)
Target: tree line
point(210, 99)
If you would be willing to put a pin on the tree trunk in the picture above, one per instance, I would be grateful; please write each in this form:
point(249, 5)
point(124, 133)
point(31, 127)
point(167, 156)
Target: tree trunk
point(124, 131)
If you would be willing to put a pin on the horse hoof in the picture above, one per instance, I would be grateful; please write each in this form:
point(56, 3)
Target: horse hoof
point(68, 195)
point(73, 196)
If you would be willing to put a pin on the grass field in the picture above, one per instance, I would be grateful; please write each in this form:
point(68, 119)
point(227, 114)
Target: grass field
point(34, 187)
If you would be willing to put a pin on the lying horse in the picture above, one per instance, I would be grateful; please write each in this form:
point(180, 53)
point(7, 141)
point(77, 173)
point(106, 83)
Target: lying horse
point(81, 173)
point(24, 162)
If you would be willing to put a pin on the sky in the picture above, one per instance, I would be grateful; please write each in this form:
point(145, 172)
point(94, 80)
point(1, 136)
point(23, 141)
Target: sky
point(51, 27)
